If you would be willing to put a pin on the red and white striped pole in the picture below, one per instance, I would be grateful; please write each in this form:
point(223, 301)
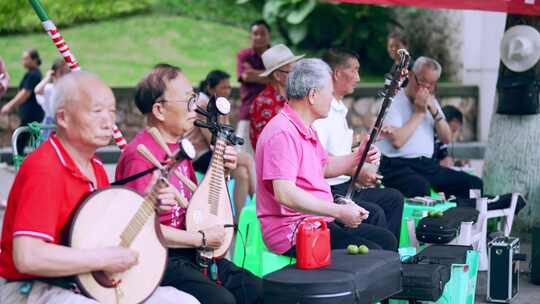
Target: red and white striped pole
point(65, 51)
point(119, 139)
point(61, 45)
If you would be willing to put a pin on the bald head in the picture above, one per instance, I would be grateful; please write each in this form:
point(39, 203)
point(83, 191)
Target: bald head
point(85, 109)
point(76, 87)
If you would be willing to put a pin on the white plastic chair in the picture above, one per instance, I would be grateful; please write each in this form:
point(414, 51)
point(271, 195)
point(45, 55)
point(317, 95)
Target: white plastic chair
point(475, 234)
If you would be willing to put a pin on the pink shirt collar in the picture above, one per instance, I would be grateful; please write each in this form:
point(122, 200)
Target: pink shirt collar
point(307, 132)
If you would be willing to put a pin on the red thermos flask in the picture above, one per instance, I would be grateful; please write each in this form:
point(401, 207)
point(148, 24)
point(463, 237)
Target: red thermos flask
point(313, 244)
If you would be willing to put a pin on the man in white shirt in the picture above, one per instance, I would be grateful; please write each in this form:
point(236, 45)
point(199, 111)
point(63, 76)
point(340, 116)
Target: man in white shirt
point(412, 120)
point(385, 206)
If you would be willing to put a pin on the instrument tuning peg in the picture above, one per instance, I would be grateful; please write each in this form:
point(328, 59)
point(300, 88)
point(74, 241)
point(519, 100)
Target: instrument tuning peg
point(201, 124)
point(201, 111)
point(223, 105)
point(187, 150)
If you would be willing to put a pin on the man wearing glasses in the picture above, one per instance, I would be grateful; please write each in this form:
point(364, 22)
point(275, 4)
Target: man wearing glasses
point(413, 119)
point(165, 97)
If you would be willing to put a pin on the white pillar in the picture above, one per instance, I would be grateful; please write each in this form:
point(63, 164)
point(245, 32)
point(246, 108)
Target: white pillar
point(481, 34)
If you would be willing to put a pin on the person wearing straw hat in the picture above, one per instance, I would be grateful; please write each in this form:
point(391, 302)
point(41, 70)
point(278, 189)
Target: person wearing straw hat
point(278, 62)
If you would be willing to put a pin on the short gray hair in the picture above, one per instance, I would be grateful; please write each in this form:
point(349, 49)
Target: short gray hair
point(66, 89)
point(307, 74)
point(426, 61)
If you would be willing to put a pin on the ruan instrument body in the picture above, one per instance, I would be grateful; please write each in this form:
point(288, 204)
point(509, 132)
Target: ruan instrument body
point(211, 205)
point(119, 216)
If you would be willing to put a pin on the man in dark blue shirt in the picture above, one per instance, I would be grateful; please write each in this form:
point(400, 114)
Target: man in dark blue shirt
point(29, 110)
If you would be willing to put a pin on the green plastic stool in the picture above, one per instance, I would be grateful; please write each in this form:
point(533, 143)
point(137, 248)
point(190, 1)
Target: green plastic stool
point(248, 235)
point(461, 288)
point(258, 259)
point(417, 212)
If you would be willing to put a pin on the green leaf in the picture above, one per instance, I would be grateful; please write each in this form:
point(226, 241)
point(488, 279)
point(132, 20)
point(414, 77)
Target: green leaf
point(297, 16)
point(242, 1)
point(271, 10)
point(298, 32)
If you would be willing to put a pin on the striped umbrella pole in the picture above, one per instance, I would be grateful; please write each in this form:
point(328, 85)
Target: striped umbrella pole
point(65, 51)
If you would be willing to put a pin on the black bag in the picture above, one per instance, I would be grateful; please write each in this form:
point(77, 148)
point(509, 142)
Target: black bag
point(518, 93)
point(442, 230)
point(425, 275)
point(443, 254)
point(423, 282)
point(498, 202)
point(349, 279)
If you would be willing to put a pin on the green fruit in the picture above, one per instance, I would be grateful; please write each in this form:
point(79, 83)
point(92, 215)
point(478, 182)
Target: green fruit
point(352, 249)
point(363, 249)
point(438, 214)
point(430, 214)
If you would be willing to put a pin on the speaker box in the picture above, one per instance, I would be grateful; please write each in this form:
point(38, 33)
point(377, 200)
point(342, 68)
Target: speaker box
point(518, 94)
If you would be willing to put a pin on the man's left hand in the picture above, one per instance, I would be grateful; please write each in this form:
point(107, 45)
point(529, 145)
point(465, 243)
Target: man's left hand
point(373, 156)
point(369, 178)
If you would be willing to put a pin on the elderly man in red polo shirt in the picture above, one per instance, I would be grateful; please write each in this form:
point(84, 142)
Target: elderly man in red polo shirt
point(49, 187)
point(292, 165)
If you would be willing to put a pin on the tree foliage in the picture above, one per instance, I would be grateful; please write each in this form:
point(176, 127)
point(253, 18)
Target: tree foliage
point(18, 15)
point(317, 26)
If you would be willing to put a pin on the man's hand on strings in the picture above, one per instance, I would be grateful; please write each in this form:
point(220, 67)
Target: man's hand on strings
point(230, 157)
point(369, 178)
point(373, 156)
point(167, 195)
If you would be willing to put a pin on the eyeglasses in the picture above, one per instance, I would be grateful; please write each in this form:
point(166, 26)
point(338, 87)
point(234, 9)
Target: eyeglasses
point(283, 71)
point(191, 101)
point(427, 85)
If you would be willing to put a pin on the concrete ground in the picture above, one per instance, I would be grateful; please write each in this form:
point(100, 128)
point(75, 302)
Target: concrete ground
point(528, 293)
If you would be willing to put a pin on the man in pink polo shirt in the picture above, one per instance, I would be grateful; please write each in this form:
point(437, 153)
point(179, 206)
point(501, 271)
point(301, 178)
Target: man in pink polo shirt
point(165, 97)
point(292, 166)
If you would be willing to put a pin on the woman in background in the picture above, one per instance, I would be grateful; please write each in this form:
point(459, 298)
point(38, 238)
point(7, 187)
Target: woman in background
point(217, 83)
point(45, 88)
